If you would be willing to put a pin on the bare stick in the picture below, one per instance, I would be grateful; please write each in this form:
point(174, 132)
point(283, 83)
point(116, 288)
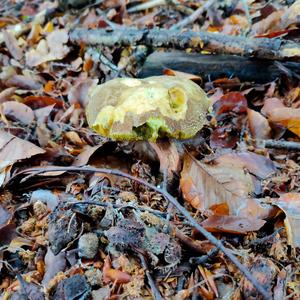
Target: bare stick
point(214, 42)
point(168, 197)
point(285, 145)
point(155, 292)
point(194, 16)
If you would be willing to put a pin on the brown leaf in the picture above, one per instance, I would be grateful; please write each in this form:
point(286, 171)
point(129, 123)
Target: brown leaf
point(290, 204)
point(288, 117)
point(232, 224)
point(51, 48)
point(78, 93)
point(193, 77)
point(6, 94)
point(41, 101)
point(24, 82)
point(168, 156)
point(13, 148)
point(11, 44)
point(205, 185)
point(232, 101)
point(259, 125)
point(18, 111)
point(113, 275)
point(257, 165)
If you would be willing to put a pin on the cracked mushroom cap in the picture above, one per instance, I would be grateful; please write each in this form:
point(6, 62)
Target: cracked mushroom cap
point(145, 109)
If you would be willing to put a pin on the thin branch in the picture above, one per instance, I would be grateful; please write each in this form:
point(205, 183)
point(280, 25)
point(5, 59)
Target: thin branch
point(285, 145)
point(194, 16)
point(155, 292)
point(168, 197)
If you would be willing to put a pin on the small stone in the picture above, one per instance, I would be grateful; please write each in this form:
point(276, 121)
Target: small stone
point(94, 277)
point(88, 245)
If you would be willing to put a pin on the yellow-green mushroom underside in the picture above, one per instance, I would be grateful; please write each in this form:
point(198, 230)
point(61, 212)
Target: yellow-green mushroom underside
point(146, 109)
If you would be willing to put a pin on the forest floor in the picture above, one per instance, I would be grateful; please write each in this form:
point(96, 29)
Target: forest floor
point(216, 216)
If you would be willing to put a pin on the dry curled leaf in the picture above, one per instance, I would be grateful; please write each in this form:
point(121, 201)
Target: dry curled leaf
point(137, 109)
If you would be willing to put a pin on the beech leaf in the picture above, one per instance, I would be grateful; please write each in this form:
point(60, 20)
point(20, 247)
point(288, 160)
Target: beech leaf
point(205, 185)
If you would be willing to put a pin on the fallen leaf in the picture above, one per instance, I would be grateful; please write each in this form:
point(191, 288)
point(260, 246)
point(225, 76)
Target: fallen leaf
point(83, 158)
point(224, 137)
point(51, 48)
point(6, 94)
point(41, 101)
point(53, 265)
point(78, 92)
point(13, 148)
point(192, 77)
point(17, 111)
point(168, 157)
point(205, 185)
point(232, 101)
point(256, 164)
point(288, 117)
point(232, 224)
point(292, 15)
point(113, 275)
point(259, 125)
point(290, 204)
point(270, 104)
point(11, 44)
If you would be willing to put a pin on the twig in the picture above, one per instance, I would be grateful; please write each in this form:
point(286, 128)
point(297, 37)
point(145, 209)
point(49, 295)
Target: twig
point(168, 197)
point(266, 238)
point(291, 146)
point(146, 5)
point(202, 259)
point(155, 292)
point(114, 205)
point(194, 16)
point(214, 42)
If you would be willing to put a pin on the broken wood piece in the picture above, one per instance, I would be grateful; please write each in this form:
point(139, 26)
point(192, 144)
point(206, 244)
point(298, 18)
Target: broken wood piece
point(211, 67)
point(213, 42)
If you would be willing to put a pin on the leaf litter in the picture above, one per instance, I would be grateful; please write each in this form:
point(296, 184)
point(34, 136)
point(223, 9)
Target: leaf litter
point(70, 234)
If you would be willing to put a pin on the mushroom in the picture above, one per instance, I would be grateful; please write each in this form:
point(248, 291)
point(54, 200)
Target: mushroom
point(147, 109)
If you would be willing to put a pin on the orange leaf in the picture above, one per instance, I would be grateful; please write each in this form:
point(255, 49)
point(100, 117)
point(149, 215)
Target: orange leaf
point(288, 117)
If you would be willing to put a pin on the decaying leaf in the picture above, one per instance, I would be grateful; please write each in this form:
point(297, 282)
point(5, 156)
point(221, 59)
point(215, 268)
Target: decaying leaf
point(137, 109)
point(205, 185)
point(290, 204)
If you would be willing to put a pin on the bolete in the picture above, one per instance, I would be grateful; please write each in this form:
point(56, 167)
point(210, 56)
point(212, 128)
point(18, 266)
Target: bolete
point(146, 109)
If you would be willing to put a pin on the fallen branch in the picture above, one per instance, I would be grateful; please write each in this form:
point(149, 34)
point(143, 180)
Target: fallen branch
point(39, 170)
point(285, 145)
point(212, 42)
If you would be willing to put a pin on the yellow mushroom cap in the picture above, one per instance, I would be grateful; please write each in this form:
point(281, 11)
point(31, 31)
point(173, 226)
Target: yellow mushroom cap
point(145, 109)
